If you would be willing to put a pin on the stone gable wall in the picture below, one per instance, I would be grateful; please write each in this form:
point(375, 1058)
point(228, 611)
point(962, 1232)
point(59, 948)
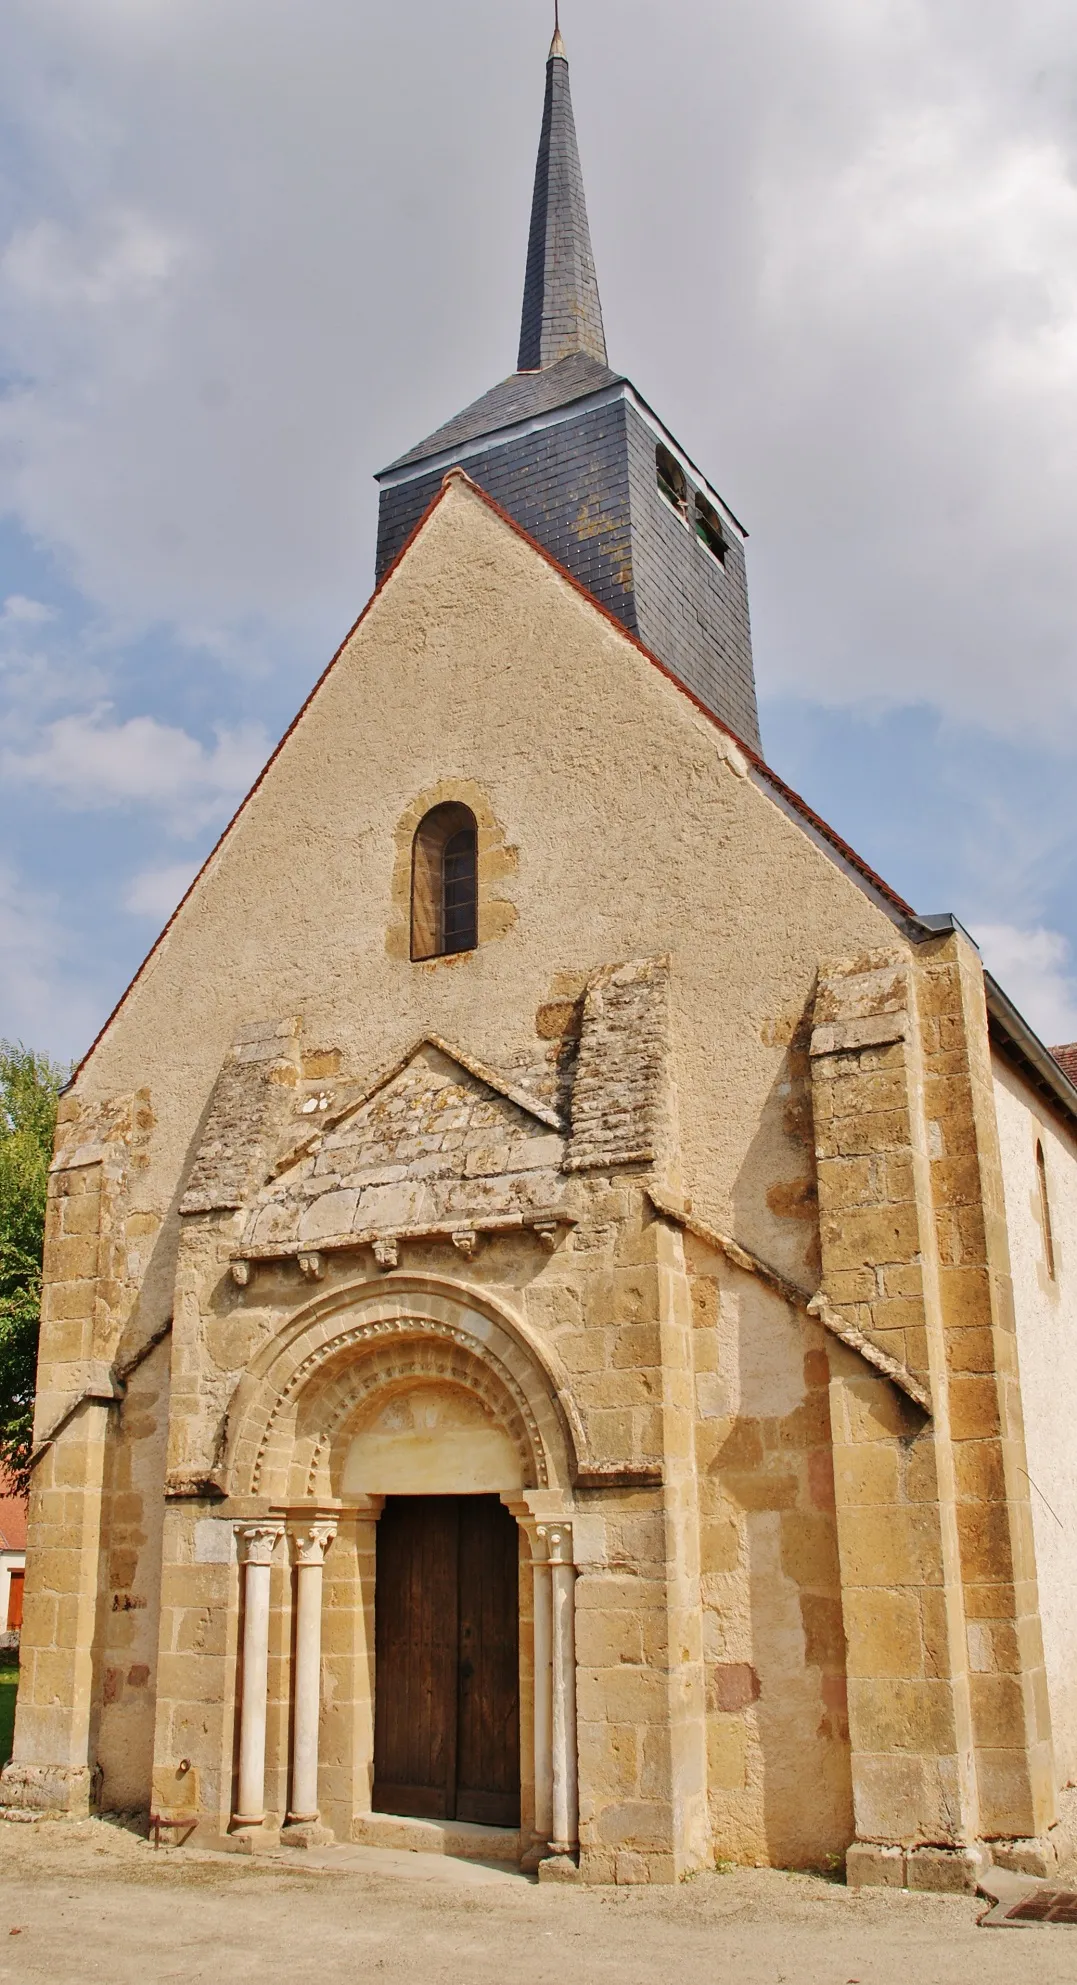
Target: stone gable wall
point(684, 1406)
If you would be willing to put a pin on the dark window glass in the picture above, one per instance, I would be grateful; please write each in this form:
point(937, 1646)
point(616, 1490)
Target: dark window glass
point(445, 883)
point(461, 887)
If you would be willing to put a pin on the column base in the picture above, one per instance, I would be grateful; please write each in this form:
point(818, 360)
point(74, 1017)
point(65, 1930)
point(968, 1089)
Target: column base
point(249, 1839)
point(936, 1870)
point(559, 1868)
point(307, 1833)
point(54, 1790)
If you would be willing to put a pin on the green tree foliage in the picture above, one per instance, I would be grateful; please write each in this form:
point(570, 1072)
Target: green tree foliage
point(29, 1091)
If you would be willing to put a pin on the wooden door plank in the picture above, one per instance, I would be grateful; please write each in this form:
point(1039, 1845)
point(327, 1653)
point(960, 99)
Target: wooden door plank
point(488, 1769)
point(415, 1635)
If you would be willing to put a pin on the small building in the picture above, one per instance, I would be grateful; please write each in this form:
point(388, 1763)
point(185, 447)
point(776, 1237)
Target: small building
point(12, 1557)
point(560, 1309)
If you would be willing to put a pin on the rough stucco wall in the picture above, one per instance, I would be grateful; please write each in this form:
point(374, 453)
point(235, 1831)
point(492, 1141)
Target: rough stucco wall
point(1047, 1349)
point(634, 836)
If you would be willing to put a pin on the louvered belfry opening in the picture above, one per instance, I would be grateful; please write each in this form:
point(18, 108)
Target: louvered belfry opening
point(445, 883)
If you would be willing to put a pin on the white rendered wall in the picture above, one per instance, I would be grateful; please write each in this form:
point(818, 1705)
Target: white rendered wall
point(1047, 1350)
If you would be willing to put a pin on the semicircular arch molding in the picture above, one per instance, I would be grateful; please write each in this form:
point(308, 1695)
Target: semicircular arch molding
point(310, 1382)
point(336, 1414)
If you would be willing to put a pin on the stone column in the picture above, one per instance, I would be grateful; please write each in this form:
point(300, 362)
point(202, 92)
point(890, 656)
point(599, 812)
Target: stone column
point(565, 1797)
point(257, 1542)
point(309, 1545)
point(543, 1636)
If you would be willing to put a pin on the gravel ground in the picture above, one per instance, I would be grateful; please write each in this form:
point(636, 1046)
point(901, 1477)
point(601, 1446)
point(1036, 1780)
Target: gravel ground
point(93, 1901)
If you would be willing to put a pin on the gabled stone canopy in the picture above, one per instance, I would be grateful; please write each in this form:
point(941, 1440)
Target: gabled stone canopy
point(435, 1143)
point(438, 1141)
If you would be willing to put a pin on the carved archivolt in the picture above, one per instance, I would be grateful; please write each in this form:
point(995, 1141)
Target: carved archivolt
point(292, 1418)
point(390, 1355)
point(327, 1421)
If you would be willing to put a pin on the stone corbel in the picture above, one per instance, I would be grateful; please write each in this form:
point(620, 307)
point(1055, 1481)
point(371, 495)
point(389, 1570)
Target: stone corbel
point(241, 1272)
point(387, 1252)
point(548, 1233)
point(466, 1242)
point(312, 1266)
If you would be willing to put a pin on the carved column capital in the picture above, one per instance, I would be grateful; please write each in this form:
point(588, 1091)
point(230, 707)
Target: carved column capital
point(310, 1542)
point(536, 1537)
point(558, 1541)
point(256, 1542)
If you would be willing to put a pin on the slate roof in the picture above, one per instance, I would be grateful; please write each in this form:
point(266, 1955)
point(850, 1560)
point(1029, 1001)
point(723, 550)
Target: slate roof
point(562, 311)
point(522, 396)
point(562, 341)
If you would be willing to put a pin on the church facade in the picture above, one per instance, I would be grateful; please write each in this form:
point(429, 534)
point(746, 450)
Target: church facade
point(560, 1314)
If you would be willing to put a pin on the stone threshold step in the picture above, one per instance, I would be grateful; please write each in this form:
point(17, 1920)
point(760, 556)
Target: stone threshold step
point(461, 1839)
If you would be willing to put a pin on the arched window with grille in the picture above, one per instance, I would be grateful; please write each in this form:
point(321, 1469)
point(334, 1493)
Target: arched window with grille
point(445, 883)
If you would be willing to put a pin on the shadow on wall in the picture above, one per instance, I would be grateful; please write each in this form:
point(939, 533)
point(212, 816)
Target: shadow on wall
point(777, 1468)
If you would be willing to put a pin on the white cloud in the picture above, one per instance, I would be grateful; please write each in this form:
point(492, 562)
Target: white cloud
point(88, 762)
point(66, 271)
point(157, 891)
point(44, 1002)
point(932, 432)
point(221, 312)
point(19, 612)
point(1038, 971)
point(38, 666)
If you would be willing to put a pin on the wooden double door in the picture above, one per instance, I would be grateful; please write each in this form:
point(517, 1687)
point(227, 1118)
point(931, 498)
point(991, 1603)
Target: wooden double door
point(447, 1660)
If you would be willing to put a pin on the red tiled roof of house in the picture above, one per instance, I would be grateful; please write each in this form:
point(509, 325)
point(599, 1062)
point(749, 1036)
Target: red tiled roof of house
point(1067, 1060)
point(12, 1518)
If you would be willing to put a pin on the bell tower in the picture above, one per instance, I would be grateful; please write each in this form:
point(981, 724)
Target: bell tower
point(574, 453)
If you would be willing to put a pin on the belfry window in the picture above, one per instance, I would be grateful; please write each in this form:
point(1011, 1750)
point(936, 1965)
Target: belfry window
point(445, 883)
point(672, 481)
point(1045, 1210)
point(709, 529)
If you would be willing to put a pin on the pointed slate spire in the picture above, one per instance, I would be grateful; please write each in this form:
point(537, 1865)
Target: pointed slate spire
point(562, 313)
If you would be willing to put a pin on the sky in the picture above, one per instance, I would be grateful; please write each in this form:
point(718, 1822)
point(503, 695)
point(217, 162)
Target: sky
point(251, 250)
